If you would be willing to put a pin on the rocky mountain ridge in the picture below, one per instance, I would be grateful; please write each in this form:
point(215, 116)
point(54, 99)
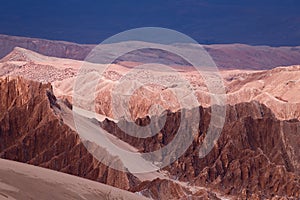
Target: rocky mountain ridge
point(31, 132)
point(255, 157)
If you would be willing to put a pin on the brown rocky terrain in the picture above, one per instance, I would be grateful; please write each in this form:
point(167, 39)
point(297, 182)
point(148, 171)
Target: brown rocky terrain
point(32, 132)
point(169, 189)
point(256, 157)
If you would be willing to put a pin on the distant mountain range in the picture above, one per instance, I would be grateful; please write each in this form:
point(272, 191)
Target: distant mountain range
point(226, 56)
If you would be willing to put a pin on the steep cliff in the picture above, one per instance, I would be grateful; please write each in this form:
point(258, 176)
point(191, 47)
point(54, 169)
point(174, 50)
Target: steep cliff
point(256, 156)
point(32, 132)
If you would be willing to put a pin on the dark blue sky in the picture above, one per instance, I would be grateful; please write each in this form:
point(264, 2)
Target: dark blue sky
point(263, 22)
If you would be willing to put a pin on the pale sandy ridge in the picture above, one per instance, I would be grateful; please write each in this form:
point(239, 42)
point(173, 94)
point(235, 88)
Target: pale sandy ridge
point(278, 88)
point(22, 181)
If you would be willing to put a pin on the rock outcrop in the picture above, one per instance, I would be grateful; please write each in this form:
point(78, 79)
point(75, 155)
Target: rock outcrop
point(256, 156)
point(32, 132)
point(168, 189)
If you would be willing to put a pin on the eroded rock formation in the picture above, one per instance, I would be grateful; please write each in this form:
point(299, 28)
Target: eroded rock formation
point(32, 132)
point(256, 156)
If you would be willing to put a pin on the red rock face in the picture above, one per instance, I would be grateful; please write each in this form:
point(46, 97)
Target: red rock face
point(257, 156)
point(160, 189)
point(167, 189)
point(31, 132)
point(252, 157)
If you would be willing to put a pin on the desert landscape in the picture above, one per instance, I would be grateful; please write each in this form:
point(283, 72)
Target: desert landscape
point(255, 157)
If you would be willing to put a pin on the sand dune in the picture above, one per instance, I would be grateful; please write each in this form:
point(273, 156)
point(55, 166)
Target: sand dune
point(22, 181)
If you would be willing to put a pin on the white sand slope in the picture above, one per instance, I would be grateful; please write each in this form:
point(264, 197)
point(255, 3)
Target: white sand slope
point(21, 181)
point(128, 155)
